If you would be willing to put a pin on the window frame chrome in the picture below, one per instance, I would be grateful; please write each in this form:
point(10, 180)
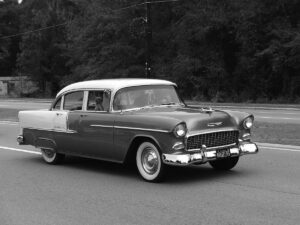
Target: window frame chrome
point(87, 97)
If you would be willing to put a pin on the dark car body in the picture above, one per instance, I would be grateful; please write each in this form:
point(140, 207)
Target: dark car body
point(72, 126)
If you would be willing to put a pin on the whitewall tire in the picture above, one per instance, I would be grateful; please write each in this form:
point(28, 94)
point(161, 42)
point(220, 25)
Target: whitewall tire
point(149, 163)
point(51, 156)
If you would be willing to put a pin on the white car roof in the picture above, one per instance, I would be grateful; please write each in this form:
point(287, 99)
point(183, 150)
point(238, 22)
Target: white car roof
point(112, 84)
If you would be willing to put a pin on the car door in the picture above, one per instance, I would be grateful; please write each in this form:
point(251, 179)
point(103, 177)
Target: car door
point(68, 141)
point(96, 126)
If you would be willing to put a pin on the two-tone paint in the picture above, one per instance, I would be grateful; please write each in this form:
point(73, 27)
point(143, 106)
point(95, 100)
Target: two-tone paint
point(111, 135)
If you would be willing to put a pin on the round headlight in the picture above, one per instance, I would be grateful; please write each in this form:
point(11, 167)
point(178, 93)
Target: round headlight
point(248, 123)
point(180, 130)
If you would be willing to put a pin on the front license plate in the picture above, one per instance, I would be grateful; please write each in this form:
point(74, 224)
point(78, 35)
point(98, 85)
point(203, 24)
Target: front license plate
point(223, 153)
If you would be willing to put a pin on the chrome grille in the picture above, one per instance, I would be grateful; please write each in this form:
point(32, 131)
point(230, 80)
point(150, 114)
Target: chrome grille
point(211, 140)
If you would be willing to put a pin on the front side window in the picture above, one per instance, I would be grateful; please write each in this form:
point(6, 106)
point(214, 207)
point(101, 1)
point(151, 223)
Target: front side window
point(141, 96)
point(98, 101)
point(73, 101)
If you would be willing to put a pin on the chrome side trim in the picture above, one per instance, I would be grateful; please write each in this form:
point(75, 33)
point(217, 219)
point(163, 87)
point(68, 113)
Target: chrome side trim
point(46, 139)
point(98, 125)
point(143, 129)
point(102, 126)
point(46, 148)
point(212, 148)
point(71, 131)
point(52, 130)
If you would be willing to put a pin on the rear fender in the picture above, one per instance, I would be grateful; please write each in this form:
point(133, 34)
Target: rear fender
point(45, 143)
point(44, 120)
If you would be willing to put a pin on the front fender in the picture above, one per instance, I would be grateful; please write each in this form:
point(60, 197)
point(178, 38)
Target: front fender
point(125, 140)
point(238, 117)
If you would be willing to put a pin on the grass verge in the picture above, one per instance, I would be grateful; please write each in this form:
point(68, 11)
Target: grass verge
point(276, 133)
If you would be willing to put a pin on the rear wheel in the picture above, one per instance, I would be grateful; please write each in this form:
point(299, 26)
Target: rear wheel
point(52, 157)
point(224, 164)
point(149, 163)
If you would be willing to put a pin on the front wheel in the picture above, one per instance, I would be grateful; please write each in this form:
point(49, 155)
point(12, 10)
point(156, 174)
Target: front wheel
point(224, 164)
point(52, 157)
point(149, 163)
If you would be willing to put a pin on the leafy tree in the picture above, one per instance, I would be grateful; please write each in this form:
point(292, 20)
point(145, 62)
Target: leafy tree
point(102, 45)
point(218, 50)
point(9, 25)
point(43, 51)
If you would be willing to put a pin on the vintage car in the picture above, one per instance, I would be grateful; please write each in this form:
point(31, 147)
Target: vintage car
point(136, 120)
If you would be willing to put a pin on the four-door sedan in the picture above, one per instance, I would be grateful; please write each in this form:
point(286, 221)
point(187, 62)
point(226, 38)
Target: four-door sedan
point(139, 120)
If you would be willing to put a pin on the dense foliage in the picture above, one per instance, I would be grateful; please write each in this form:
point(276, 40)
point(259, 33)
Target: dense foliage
point(219, 50)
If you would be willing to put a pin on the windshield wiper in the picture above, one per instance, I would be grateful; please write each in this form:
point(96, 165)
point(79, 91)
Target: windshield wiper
point(141, 107)
point(152, 106)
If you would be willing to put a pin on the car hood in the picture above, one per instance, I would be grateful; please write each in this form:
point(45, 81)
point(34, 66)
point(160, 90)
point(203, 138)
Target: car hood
point(195, 118)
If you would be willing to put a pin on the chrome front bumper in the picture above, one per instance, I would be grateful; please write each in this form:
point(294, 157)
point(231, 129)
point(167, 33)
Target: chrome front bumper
point(205, 156)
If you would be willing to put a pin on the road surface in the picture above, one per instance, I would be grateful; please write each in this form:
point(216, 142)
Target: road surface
point(262, 189)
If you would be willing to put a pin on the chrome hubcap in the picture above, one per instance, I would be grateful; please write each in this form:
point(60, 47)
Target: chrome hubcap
point(150, 160)
point(48, 153)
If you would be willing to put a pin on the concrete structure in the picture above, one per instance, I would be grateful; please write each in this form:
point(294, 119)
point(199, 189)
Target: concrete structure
point(17, 86)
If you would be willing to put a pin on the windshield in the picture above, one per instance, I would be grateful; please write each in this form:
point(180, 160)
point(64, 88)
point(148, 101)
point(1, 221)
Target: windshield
point(143, 96)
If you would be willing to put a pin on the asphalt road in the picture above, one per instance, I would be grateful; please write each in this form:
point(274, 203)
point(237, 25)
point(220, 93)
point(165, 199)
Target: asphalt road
point(262, 189)
point(289, 114)
point(24, 104)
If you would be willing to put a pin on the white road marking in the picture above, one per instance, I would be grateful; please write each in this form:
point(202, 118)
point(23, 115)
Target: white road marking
point(280, 149)
point(19, 150)
point(9, 123)
point(282, 118)
point(275, 113)
point(2, 105)
point(247, 107)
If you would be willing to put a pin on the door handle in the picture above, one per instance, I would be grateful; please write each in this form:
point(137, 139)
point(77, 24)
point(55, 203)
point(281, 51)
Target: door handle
point(59, 114)
point(83, 115)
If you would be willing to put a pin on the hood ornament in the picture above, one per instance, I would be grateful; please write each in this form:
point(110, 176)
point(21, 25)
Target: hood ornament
point(216, 124)
point(207, 110)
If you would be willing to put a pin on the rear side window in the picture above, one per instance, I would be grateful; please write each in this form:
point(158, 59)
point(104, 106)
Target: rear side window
point(98, 101)
point(73, 101)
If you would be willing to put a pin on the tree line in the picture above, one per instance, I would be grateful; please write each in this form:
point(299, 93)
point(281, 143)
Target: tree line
point(215, 50)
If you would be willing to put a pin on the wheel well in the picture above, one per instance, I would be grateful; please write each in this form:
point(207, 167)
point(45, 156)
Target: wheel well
point(45, 143)
point(130, 156)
